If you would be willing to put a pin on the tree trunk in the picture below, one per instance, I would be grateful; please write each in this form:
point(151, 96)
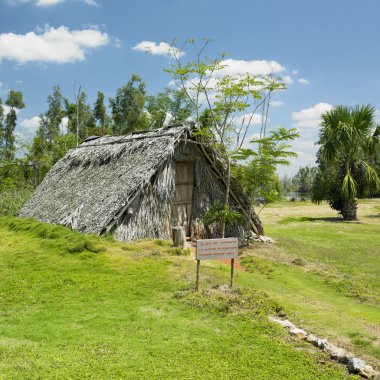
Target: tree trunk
point(348, 210)
point(227, 196)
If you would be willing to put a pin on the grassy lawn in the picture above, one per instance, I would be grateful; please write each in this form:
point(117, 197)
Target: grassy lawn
point(325, 272)
point(81, 307)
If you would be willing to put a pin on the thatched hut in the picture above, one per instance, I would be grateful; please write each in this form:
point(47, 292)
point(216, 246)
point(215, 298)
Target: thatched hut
point(139, 186)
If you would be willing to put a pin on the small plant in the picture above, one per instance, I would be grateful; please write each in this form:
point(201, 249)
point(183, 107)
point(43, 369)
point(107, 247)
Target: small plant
point(299, 261)
point(180, 252)
point(220, 212)
point(238, 301)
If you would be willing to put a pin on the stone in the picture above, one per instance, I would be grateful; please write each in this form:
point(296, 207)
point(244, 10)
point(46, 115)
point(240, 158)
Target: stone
point(266, 239)
point(346, 358)
point(367, 371)
point(311, 338)
point(320, 343)
point(283, 323)
point(355, 365)
point(298, 333)
point(334, 351)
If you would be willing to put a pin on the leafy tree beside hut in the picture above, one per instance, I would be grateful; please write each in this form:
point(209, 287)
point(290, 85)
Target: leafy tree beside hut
point(140, 186)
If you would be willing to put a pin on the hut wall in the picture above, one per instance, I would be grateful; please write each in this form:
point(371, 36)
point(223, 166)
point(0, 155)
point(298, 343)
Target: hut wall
point(152, 208)
point(151, 217)
point(208, 189)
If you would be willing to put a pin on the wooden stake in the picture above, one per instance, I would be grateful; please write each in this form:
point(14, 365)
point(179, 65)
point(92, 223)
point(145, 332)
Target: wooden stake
point(232, 273)
point(197, 277)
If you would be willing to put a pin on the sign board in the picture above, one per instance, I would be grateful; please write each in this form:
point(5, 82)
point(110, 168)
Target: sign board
point(216, 249)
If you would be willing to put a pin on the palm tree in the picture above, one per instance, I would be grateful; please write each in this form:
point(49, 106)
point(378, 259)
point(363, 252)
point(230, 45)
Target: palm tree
point(348, 138)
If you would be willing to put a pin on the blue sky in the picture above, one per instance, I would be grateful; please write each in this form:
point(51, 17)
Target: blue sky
point(327, 51)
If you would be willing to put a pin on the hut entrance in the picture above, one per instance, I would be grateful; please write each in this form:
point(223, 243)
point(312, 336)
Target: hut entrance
point(183, 198)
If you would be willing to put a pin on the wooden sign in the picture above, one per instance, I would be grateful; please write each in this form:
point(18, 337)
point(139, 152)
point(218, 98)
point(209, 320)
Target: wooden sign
point(217, 249)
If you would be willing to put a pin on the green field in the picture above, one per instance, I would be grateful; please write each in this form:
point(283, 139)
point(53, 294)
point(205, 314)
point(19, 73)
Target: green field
point(325, 272)
point(81, 307)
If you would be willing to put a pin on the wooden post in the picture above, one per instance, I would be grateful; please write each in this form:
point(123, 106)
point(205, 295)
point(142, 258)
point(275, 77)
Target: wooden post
point(232, 273)
point(197, 276)
point(179, 236)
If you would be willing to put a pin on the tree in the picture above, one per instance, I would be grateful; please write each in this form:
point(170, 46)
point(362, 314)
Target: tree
point(304, 179)
point(49, 143)
point(171, 106)
point(258, 174)
point(70, 113)
point(227, 103)
point(2, 131)
point(100, 114)
point(348, 137)
point(85, 117)
point(50, 121)
point(54, 113)
point(127, 108)
point(14, 101)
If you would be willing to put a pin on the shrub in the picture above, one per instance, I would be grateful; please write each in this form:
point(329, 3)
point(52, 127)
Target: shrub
point(12, 199)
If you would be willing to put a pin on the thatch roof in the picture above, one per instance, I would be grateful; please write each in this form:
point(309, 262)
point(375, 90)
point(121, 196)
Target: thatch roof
point(93, 184)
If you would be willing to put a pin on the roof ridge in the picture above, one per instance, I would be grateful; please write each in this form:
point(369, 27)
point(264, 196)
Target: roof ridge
point(131, 137)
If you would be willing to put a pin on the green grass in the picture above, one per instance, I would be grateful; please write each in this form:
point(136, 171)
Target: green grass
point(82, 307)
point(336, 291)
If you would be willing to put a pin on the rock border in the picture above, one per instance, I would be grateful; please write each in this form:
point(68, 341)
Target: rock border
point(354, 364)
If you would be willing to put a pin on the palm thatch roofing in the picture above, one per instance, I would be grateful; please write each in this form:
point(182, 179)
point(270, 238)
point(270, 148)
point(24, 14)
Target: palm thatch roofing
point(92, 186)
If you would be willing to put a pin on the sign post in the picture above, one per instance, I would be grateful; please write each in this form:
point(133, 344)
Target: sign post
point(216, 249)
point(197, 278)
point(232, 273)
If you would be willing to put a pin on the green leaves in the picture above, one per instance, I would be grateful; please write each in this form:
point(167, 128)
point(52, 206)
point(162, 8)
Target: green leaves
point(127, 107)
point(349, 186)
point(258, 171)
point(220, 212)
point(348, 140)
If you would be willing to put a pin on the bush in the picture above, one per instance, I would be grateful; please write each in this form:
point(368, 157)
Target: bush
point(12, 199)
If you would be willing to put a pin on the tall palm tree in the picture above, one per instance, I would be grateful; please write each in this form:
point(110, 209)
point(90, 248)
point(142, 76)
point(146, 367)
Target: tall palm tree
point(348, 138)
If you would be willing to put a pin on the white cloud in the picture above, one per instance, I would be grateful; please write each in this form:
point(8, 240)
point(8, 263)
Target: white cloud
point(287, 79)
point(256, 119)
point(162, 48)
point(294, 72)
point(92, 3)
point(30, 124)
point(255, 67)
point(306, 153)
point(310, 117)
point(59, 45)
point(19, 81)
point(276, 103)
point(7, 109)
point(303, 81)
point(48, 3)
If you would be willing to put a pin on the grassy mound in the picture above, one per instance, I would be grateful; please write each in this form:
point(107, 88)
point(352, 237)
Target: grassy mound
point(84, 307)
